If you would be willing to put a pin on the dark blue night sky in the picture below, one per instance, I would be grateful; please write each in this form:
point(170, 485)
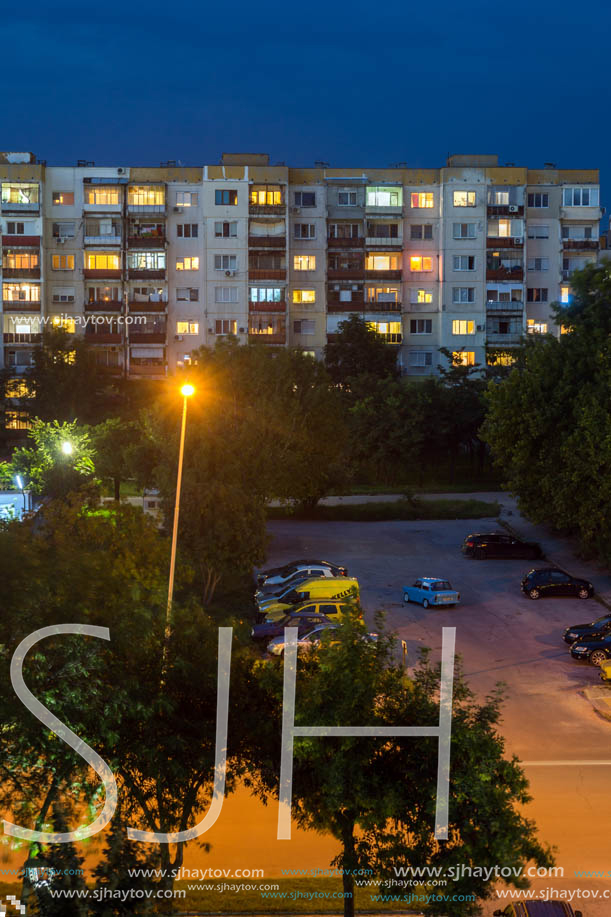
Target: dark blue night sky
point(359, 83)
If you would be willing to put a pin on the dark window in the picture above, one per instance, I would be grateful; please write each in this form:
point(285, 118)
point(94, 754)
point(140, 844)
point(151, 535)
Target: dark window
point(15, 229)
point(187, 230)
point(536, 294)
point(226, 197)
point(328, 609)
point(305, 199)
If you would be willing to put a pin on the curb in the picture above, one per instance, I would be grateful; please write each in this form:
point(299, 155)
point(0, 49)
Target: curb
point(600, 698)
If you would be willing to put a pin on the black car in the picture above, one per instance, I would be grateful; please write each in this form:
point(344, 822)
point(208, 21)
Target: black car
point(305, 621)
point(499, 544)
point(550, 581)
point(597, 628)
point(596, 649)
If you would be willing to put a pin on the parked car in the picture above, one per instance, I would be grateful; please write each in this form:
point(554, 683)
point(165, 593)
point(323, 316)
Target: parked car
point(338, 588)
point(270, 587)
point(305, 642)
point(304, 616)
point(429, 590)
point(290, 568)
point(593, 629)
point(551, 581)
point(499, 544)
point(538, 909)
point(595, 649)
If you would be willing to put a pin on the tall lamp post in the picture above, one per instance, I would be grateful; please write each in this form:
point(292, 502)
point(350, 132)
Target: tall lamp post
point(186, 392)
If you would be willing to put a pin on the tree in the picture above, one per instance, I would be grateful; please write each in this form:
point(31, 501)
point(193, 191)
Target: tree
point(112, 442)
point(359, 350)
point(377, 797)
point(60, 460)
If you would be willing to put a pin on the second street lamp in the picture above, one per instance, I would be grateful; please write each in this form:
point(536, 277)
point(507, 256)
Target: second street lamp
point(186, 392)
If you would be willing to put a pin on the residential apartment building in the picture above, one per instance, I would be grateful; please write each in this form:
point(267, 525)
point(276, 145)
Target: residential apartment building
point(149, 264)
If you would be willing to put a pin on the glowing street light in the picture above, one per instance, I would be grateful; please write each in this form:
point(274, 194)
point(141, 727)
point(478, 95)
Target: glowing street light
point(186, 391)
point(67, 447)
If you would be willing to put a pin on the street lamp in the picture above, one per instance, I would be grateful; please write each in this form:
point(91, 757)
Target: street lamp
point(67, 447)
point(19, 482)
point(186, 391)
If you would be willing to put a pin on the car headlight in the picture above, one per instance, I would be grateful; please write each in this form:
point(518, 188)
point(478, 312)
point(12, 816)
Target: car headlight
point(580, 649)
point(571, 633)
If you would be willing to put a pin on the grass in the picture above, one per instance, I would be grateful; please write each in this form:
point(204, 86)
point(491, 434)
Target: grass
point(430, 487)
point(385, 512)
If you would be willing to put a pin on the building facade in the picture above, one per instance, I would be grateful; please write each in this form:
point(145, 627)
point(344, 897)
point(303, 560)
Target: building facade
point(149, 264)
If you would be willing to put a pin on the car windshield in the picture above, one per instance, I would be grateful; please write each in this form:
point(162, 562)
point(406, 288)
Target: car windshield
point(440, 585)
point(606, 619)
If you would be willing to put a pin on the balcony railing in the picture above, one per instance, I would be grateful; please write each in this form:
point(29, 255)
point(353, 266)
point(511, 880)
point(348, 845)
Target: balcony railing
point(26, 241)
point(21, 273)
point(266, 274)
point(512, 306)
point(12, 207)
point(103, 240)
point(383, 307)
point(505, 210)
point(384, 241)
point(148, 306)
point(581, 244)
point(567, 274)
point(496, 337)
point(353, 273)
point(103, 337)
point(383, 274)
point(20, 338)
point(102, 208)
point(504, 242)
point(12, 305)
point(146, 241)
point(266, 209)
point(105, 273)
point(104, 305)
point(267, 306)
point(278, 338)
point(147, 337)
point(357, 242)
point(267, 241)
point(146, 208)
point(144, 274)
point(355, 305)
point(505, 273)
point(147, 369)
point(391, 338)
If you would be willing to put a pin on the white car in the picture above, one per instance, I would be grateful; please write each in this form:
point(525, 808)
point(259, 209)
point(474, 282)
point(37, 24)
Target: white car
point(281, 575)
point(305, 643)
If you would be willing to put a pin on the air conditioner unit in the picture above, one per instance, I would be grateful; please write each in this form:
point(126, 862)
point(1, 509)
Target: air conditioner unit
point(178, 337)
point(210, 331)
point(120, 171)
point(230, 273)
point(513, 208)
point(61, 240)
point(242, 330)
point(518, 240)
point(177, 209)
point(481, 327)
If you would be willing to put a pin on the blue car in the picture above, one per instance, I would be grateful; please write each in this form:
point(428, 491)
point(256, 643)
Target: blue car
point(429, 590)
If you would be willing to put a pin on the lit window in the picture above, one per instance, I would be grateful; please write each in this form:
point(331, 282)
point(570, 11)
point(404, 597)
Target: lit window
point(20, 193)
point(187, 264)
point(383, 294)
point(422, 296)
point(304, 262)
point(463, 358)
point(146, 261)
point(266, 196)
point(102, 196)
point(65, 322)
point(420, 263)
point(463, 327)
point(500, 359)
point(187, 198)
point(102, 261)
point(534, 327)
point(18, 260)
point(146, 196)
point(384, 197)
point(422, 199)
point(266, 294)
point(498, 198)
point(62, 262)
point(384, 262)
point(226, 326)
point(17, 420)
point(20, 292)
point(504, 228)
point(386, 328)
point(228, 198)
point(464, 198)
point(304, 296)
point(63, 198)
point(565, 295)
point(187, 327)
point(17, 388)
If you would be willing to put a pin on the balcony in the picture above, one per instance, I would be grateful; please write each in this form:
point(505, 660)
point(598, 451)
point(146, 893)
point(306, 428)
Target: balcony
point(512, 306)
point(112, 240)
point(136, 305)
point(383, 275)
point(20, 305)
point(279, 338)
point(383, 307)
point(266, 210)
point(581, 244)
point(103, 337)
point(355, 242)
point(147, 337)
point(267, 241)
point(14, 338)
point(505, 273)
point(505, 242)
point(384, 241)
point(94, 207)
point(355, 305)
point(267, 306)
point(356, 273)
point(493, 337)
point(13, 207)
point(505, 210)
point(147, 209)
point(104, 306)
point(148, 242)
point(147, 369)
point(21, 273)
point(389, 338)
point(266, 274)
point(28, 241)
point(105, 273)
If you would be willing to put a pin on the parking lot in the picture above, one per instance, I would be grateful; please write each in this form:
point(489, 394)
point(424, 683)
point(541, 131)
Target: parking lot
point(501, 636)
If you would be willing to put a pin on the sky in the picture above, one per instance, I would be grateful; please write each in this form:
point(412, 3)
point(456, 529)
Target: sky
point(350, 83)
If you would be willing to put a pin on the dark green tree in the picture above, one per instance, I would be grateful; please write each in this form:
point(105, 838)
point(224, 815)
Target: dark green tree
point(113, 442)
point(377, 797)
point(359, 351)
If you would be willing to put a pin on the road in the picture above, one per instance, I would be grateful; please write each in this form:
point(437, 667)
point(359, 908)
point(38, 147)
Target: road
point(501, 636)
